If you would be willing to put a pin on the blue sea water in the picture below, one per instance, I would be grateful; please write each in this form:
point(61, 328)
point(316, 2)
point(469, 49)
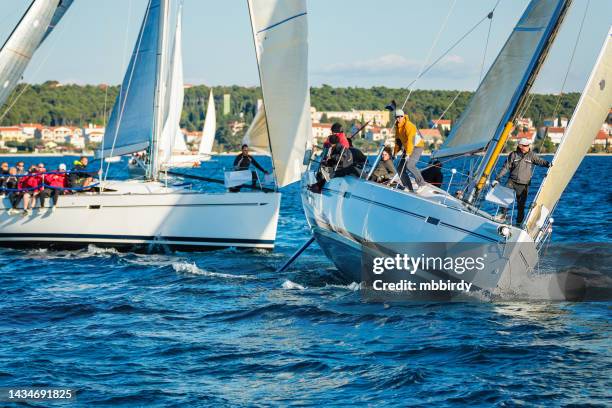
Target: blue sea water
point(222, 328)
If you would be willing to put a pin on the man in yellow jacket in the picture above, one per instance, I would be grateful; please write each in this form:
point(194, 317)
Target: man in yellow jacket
point(407, 139)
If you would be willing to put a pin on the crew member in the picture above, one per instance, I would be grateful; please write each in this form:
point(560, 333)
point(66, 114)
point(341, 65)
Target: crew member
point(338, 164)
point(56, 183)
point(407, 139)
point(359, 159)
point(385, 170)
point(12, 186)
point(337, 130)
point(520, 165)
point(30, 184)
point(80, 176)
point(243, 162)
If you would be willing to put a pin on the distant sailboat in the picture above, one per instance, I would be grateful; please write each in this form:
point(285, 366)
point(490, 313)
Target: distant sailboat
point(353, 213)
point(175, 151)
point(209, 129)
point(147, 213)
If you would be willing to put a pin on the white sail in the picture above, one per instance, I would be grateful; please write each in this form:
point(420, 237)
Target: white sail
point(17, 51)
point(172, 139)
point(256, 135)
point(506, 81)
point(591, 111)
point(209, 128)
point(280, 31)
point(130, 127)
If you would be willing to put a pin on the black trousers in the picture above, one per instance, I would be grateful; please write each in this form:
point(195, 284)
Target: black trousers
point(521, 191)
point(48, 192)
point(15, 198)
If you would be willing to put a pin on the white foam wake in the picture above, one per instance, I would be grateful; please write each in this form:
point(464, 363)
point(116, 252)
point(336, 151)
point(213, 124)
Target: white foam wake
point(192, 268)
point(292, 285)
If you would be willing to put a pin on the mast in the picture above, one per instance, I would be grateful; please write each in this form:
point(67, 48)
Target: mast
point(505, 127)
point(160, 90)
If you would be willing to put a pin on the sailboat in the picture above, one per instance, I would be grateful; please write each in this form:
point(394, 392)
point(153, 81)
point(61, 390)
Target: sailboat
point(353, 215)
point(146, 214)
point(176, 153)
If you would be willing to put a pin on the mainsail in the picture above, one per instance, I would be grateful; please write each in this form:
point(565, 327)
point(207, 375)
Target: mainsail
point(591, 111)
point(210, 127)
point(508, 79)
point(172, 139)
point(280, 32)
point(130, 127)
point(256, 135)
point(17, 51)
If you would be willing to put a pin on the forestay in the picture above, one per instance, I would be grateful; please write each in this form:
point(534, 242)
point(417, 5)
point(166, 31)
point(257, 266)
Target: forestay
point(506, 81)
point(130, 127)
point(17, 51)
point(210, 127)
point(280, 31)
point(592, 109)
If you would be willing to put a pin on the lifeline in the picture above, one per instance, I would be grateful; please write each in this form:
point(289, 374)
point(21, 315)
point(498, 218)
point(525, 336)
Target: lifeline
point(409, 286)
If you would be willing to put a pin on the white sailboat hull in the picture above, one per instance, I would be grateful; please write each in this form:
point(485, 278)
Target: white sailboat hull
point(352, 212)
point(186, 160)
point(150, 216)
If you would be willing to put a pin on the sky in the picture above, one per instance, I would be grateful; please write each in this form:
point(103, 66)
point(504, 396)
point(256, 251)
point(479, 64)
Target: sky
point(359, 43)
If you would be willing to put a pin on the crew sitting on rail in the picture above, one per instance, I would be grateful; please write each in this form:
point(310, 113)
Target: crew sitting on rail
point(11, 184)
point(4, 174)
point(31, 186)
point(243, 162)
point(385, 170)
point(79, 175)
point(55, 183)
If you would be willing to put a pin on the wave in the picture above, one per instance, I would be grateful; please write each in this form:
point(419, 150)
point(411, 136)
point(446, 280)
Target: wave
point(292, 285)
point(94, 250)
point(192, 268)
point(353, 286)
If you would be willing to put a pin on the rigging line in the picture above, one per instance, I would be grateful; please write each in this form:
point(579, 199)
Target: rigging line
point(430, 66)
point(35, 74)
point(484, 55)
point(127, 91)
point(586, 9)
point(433, 45)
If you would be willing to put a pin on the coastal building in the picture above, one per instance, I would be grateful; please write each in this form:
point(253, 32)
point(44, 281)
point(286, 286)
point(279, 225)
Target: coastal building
point(524, 123)
point(377, 133)
point(443, 124)
point(431, 136)
point(76, 140)
point(603, 139)
point(555, 134)
point(13, 134)
point(320, 131)
point(375, 117)
point(529, 135)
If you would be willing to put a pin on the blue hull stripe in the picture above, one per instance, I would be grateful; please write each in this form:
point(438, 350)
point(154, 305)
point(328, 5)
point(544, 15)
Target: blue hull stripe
point(126, 238)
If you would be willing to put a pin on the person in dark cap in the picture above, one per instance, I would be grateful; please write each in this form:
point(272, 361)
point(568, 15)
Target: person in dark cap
point(339, 163)
point(337, 130)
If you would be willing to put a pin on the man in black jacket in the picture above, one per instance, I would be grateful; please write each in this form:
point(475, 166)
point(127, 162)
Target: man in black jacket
point(243, 162)
point(520, 165)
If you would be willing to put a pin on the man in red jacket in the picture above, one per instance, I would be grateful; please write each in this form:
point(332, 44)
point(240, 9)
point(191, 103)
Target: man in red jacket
point(31, 186)
point(55, 183)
